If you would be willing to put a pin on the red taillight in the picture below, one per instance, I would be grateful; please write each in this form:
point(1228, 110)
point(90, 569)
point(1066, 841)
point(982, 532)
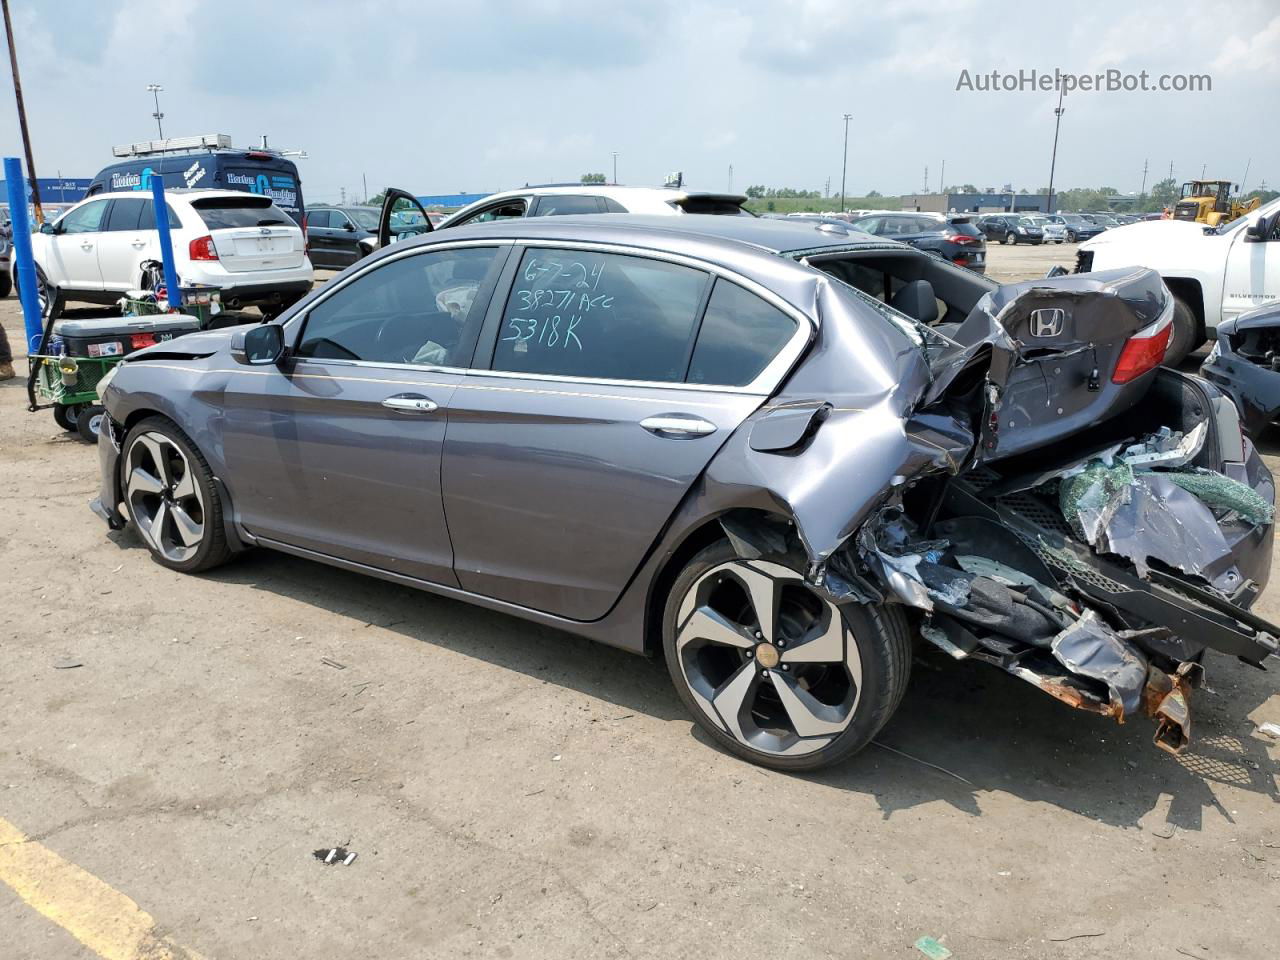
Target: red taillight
point(202, 248)
point(140, 340)
point(961, 238)
point(306, 240)
point(1144, 351)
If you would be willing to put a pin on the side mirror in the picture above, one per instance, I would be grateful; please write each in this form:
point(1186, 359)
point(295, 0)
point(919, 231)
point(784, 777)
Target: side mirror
point(349, 227)
point(48, 227)
point(1057, 270)
point(1257, 231)
point(258, 346)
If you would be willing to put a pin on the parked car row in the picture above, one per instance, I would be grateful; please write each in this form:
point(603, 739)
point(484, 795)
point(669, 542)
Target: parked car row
point(953, 238)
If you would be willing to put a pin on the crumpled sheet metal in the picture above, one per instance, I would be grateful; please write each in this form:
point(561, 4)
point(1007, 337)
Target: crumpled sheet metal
point(1090, 648)
point(1122, 509)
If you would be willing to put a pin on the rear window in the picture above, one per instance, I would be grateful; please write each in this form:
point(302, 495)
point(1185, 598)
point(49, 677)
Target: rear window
point(713, 205)
point(223, 213)
point(740, 334)
point(966, 229)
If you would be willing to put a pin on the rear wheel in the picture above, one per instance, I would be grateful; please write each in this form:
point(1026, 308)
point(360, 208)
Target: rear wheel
point(170, 496)
point(1011, 238)
point(772, 670)
point(1184, 337)
point(1071, 236)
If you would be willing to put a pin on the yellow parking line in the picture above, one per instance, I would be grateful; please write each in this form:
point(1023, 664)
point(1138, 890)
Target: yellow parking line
point(99, 916)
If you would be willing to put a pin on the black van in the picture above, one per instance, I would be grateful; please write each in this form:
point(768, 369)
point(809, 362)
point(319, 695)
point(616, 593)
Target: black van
point(254, 171)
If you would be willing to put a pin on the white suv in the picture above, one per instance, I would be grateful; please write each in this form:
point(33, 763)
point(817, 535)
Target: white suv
point(241, 243)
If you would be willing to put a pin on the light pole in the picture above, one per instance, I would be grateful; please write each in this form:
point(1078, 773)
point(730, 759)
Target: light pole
point(1053, 162)
point(615, 168)
point(844, 166)
point(22, 116)
point(154, 89)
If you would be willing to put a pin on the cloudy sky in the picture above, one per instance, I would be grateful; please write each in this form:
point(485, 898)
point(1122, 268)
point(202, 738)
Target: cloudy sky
point(483, 95)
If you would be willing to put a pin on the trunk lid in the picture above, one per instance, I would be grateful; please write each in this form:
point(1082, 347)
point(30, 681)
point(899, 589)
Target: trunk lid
point(250, 233)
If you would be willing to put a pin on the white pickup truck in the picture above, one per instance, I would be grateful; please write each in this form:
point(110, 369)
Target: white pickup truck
point(1214, 274)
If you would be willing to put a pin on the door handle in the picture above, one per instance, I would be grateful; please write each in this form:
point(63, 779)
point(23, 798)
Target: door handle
point(138, 244)
point(410, 403)
point(678, 426)
point(86, 245)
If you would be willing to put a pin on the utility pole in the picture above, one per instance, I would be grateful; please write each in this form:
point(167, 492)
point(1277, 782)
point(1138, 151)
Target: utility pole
point(342, 192)
point(364, 182)
point(22, 115)
point(1143, 191)
point(925, 188)
point(1246, 177)
point(1170, 169)
point(844, 168)
point(154, 89)
point(942, 177)
point(615, 169)
point(731, 178)
point(1058, 111)
point(1203, 168)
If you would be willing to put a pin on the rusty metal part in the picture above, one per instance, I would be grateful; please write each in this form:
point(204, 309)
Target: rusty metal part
point(1072, 696)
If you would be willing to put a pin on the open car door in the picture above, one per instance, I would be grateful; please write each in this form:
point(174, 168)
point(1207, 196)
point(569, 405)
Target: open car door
point(402, 216)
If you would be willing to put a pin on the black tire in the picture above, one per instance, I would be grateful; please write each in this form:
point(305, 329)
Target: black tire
point(87, 422)
point(51, 300)
point(883, 644)
point(212, 549)
point(1071, 236)
point(1011, 238)
point(1186, 333)
point(6, 284)
point(66, 416)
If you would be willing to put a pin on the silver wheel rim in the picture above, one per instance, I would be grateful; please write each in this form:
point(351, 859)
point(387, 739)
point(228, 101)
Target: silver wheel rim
point(768, 661)
point(164, 499)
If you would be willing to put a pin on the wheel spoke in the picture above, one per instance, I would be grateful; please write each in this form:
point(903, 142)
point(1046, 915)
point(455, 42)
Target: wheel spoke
point(159, 455)
point(763, 590)
point(712, 626)
point(808, 717)
point(155, 527)
point(186, 487)
point(822, 645)
point(143, 481)
point(733, 696)
point(189, 532)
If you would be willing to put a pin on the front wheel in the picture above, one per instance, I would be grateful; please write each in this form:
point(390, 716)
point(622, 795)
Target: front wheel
point(1071, 236)
point(1183, 338)
point(1011, 238)
point(775, 672)
point(67, 416)
point(170, 496)
point(87, 422)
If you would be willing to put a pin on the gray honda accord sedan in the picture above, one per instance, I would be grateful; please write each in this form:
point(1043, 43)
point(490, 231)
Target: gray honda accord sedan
point(777, 454)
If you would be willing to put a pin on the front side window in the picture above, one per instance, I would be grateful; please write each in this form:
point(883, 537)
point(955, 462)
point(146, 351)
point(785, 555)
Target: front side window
point(414, 310)
point(740, 334)
point(86, 219)
point(511, 210)
point(584, 314)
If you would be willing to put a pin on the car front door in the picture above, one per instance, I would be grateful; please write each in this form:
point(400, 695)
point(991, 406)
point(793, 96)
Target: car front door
point(319, 238)
point(346, 245)
point(74, 247)
point(336, 450)
point(1252, 276)
point(590, 414)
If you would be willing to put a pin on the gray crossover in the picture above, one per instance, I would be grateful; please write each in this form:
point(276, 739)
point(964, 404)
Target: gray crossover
point(779, 454)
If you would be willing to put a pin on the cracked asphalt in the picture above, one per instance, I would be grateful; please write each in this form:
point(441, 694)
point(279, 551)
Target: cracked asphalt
point(513, 792)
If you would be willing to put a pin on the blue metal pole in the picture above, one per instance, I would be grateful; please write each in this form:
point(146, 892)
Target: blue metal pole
point(24, 262)
point(171, 280)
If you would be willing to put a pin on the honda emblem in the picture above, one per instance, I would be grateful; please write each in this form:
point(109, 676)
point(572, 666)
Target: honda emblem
point(1047, 322)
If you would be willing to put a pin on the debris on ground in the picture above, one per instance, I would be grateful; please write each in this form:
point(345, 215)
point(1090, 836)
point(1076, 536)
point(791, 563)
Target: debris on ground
point(332, 856)
point(932, 949)
point(330, 662)
point(1272, 730)
point(67, 664)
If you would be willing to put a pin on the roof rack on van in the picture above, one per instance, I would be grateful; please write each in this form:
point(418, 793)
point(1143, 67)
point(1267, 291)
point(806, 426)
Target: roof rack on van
point(146, 148)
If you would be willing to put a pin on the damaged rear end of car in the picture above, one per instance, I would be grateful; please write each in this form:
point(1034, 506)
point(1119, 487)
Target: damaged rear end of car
point(1027, 480)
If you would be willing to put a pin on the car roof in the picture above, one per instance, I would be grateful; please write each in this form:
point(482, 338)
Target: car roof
point(188, 193)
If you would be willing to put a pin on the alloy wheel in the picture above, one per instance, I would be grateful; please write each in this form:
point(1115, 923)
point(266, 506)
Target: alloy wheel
point(165, 501)
point(768, 661)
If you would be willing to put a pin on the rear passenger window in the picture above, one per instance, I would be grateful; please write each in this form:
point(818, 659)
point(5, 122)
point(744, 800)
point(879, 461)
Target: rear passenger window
point(555, 206)
point(740, 334)
point(582, 314)
point(147, 218)
point(124, 214)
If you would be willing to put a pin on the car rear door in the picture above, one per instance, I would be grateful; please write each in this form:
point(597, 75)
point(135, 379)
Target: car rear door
point(336, 450)
point(319, 238)
point(590, 414)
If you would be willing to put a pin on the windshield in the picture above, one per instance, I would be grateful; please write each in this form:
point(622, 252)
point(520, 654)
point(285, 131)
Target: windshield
point(1028, 222)
point(222, 213)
